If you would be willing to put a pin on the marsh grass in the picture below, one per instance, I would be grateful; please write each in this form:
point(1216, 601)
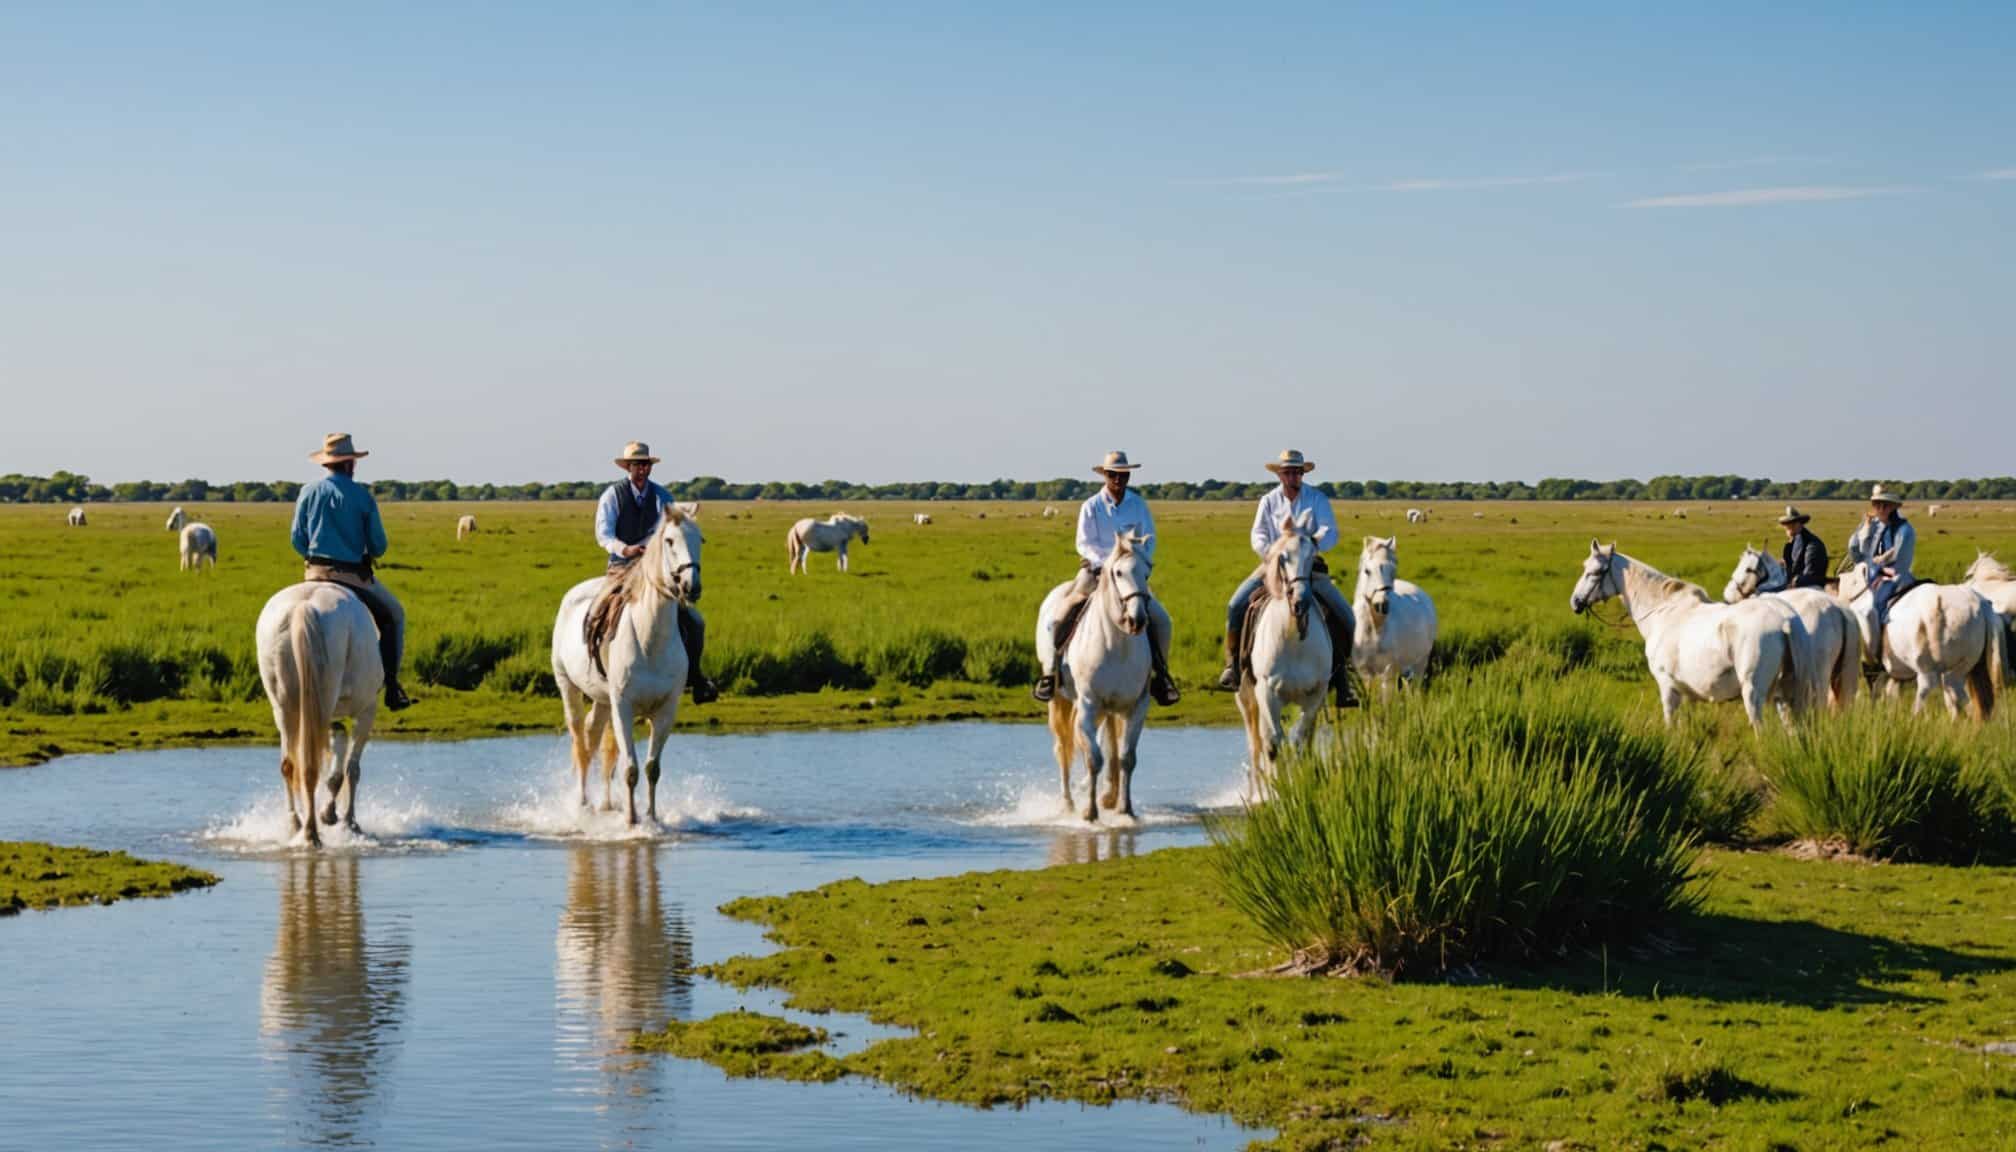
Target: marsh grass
point(1879, 781)
point(1507, 822)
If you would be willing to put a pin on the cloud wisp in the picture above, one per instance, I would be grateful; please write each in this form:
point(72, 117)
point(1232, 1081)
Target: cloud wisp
point(1753, 197)
point(1344, 181)
point(1752, 162)
point(1998, 174)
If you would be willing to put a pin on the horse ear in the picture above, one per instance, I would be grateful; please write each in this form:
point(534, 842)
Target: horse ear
point(1289, 525)
point(1595, 549)
point(1392, 543)
point(1369, 542)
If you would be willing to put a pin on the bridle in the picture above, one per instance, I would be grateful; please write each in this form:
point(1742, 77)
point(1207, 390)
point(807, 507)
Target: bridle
point(1108, 577)
point(1603, 577)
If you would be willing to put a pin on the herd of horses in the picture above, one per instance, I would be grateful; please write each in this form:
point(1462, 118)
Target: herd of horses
point(1762, 645)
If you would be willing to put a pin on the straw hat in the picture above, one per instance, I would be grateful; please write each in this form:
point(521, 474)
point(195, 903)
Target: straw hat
point(336, 448)
point(1290, 458)
point(1793, 515)
point(635, 452)
point(1882, 495)
point(1116, 462)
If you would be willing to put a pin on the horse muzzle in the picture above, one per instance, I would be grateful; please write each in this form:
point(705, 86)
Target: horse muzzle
point(689, 585)
point(1381, 604)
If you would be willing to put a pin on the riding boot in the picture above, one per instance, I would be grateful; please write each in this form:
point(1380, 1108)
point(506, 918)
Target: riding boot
point(1228, 677)
point(1046, 684)
point(1161, 686)
point(1341, 677)
point(391, 648)
point(693, 636)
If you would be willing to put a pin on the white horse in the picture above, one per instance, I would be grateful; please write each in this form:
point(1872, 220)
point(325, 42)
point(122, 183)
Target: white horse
point(1837, 642)
point(176, 519)
point(831, 535)
point(1944, 636)
point(646, 660)
point(1993, 579)
point(1291, 661)
point(921, 518)
point(1697, 649)
point(1102, 684)
point(465, 527)
point(1049, 512)
point(1417, 516)
point(1933, 509)
point(76, 517)
point(318, 658)
point(1395, 628)
point(199, 543)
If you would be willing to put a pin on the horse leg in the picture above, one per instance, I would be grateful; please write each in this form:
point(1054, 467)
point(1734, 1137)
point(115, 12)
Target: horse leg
point(626, 740)
point(1669, 703)
point(597, 738)
point(573, 706)
point(1249, 714)
point(1956, 694)
point(842, 564)
point(339, 751)
point(287, 761)
point(1130, 743)
point(661, 730)
point(1095, 760)
point(1270, 725)
point(353, 768)
point(1304, 734)
point(1110, 730)
point(1063, 729)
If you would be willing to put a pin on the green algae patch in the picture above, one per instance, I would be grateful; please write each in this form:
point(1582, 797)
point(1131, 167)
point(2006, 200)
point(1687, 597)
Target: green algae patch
point(746, 1044)
point(1805, 1004)
point(36, 875)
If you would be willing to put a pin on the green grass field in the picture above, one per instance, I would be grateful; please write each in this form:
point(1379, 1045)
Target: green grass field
point(105, 645)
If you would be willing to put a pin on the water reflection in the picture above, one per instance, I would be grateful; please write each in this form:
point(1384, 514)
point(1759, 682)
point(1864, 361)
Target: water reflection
point(621, 964)
point(1077, 847)
point(332, 1001)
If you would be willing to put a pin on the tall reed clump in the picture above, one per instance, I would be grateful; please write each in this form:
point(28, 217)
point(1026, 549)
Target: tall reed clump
point(1883, 782)
point(1491, 824)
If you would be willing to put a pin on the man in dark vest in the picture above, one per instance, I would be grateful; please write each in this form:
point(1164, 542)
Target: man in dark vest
point(1805, 555)
point(624, 519)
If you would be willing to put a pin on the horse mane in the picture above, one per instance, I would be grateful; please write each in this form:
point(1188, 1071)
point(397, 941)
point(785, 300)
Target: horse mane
point(637, 579)
point(1664, 586)
point(843, 518)
point(1987, 567)
point(1270, 572)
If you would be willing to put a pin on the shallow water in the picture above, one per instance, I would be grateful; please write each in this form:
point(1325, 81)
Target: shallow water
point(461, 975)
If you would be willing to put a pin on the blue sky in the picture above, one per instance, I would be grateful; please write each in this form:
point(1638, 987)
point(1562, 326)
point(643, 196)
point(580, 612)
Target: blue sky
point(960, 241)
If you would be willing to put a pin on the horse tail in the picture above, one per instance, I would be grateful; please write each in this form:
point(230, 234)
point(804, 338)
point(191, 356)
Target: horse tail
point(1932, 633)
point(1792, 687)
point(1848, 660)
point(1986, 677)
point(794, 543)
point(311, 723)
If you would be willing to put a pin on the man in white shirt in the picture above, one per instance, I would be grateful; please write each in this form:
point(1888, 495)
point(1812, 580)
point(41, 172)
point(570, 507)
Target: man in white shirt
point(1101, 519)
point(627, 514)
point(1291, 498)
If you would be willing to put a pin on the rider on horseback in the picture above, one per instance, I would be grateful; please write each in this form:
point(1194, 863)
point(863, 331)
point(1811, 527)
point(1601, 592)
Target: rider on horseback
point(1101, 519)
point(338, 532)
point(1287, 501)
point(624, 520)
point(1884, 544)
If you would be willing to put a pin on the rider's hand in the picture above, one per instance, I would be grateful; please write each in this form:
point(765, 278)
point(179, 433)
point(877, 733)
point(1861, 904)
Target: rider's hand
point(633, 551)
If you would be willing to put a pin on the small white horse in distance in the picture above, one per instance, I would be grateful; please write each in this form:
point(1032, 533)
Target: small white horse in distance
point(921, 518)
point(646, 661)
point(1102, 685)
point(1933, 509)
point(830, 535)
point(1837, 642)
point(176, 519)
point(76, 517)
point(1699, 650)
point(1417, 516)
point(1394, 633)
point(318, 658)
point(1946, 637)
point(199, 544)
point(1291, 661)
point(1049, 512)
point(465, 527)
point(1679, 513)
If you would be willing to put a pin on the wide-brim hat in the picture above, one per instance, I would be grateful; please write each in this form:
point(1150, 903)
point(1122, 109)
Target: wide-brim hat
point(1288, 459)
point(1882, 495)
point(1793, 515)
point(336, 448)
point(1116, 462)
point(635, 452)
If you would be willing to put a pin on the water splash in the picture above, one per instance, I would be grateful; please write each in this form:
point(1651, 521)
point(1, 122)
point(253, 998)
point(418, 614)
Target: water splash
point(685, 804)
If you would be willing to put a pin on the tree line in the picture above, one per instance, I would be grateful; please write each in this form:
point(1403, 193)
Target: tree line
point(75, 488)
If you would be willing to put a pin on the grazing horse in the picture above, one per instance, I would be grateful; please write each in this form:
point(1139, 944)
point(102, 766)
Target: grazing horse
point(1395, 628)
point(921, 518)
point(1697, 649)
point(1049, 512)
point(1417, 516)
point(318, 658)
point(1291, 661)
point(176, 519)
point(1837, 642)
point(76, 518)
point(831, 535)
point(646, 660)
point(465, 527)
point(1944, 636)
point(1102, 685)
point(199, 544)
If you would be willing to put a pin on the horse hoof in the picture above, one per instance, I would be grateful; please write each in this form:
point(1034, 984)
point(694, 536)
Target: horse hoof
point(350, 826)
point(329, 815)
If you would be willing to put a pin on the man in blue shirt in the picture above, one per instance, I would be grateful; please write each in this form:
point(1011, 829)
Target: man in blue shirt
point(625, 517)
point(337, 530)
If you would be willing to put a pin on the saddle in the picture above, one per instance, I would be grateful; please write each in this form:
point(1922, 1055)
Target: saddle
point(1254, 609)
point(600, 622)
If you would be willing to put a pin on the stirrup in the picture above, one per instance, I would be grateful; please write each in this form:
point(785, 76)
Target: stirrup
point(396, 699)
point(1044, 689)
point(1162, 689)
point(704, 691)
point(1228, 679)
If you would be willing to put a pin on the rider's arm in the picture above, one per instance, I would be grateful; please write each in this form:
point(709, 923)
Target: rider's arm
point(301, 521)
point(374, 527)
point(1258, 536)
point(1088, 531)
point(1326, 524)
point(1147, 529)
point(1902, 552)
point(605, 523)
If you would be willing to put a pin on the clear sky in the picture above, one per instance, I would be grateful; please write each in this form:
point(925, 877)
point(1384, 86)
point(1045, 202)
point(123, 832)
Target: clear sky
point(959, 241)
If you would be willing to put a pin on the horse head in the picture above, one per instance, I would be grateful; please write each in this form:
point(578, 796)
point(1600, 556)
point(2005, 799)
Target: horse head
point(1290, 567)
point(679, 559)
point(1378, 560)
point(1600, 579)
point(1127, 575)
point(1747, 578)
point(855, 525)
